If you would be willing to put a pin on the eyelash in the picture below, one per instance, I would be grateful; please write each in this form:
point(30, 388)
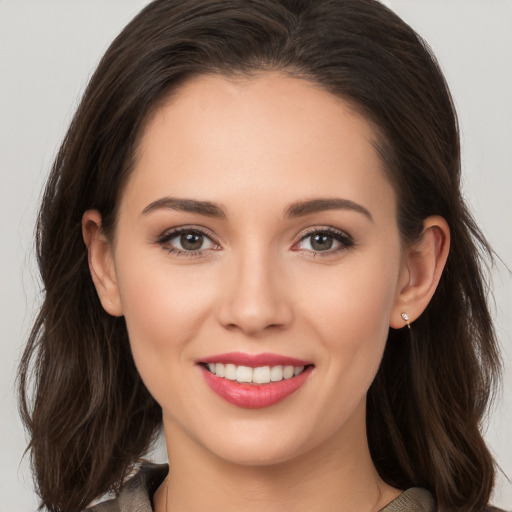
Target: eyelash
point(166, 237)
point(345, 240)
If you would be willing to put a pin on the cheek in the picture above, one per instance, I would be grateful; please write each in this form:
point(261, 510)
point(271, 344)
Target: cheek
point(164, 308)
point(354, 300)
point(349, 314)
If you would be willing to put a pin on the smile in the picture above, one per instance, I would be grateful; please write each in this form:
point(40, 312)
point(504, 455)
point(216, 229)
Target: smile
point(258, 375)
point(254, 381)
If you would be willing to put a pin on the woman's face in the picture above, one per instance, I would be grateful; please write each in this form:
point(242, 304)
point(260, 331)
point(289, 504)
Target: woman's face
point(258, 231)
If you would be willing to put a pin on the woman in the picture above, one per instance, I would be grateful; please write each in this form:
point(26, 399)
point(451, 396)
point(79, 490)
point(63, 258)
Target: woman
point(278, 268)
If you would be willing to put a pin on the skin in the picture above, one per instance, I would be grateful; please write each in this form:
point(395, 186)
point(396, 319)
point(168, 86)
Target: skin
point(254, 147)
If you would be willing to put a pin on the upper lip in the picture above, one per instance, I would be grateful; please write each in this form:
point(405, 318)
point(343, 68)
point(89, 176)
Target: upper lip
point(254, 360)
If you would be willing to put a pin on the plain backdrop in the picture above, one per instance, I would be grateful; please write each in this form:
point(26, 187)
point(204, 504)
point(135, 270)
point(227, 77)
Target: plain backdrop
point(48, 49)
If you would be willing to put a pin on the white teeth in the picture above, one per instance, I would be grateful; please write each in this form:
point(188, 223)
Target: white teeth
point(243, 374)
point(230, 372)
point(287, 372)
point(219, 370)
point(258, 375)
point(276, 373)
point(261, 375)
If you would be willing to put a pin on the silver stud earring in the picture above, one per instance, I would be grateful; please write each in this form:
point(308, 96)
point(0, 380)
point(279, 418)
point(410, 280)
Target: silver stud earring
point(406, 318)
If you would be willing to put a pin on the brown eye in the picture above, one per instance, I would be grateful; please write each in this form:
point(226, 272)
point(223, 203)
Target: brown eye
point(185, 241)
point(326, 241)
point(191, 241)
point(321, 242)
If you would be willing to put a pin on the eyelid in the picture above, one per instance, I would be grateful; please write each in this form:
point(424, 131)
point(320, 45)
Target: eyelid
point(172, 232)
point(166, 236)
point(345, 239)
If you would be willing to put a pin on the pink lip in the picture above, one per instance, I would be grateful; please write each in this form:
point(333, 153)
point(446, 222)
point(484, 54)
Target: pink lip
point(254, 396)
point(253, 361)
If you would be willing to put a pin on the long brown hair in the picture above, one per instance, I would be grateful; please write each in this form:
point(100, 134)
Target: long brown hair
point(88, 413)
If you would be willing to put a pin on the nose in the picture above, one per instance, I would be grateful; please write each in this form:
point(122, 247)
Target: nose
point(254, 299)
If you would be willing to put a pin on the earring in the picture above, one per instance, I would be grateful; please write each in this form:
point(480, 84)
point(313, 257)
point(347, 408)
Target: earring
point(406, 318)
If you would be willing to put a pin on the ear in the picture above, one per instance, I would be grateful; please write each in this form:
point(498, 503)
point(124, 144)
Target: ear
point(101, 262)
point(423, 265)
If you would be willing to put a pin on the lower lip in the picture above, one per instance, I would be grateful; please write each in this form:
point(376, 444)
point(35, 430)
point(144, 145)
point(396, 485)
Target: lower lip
point(254, 396)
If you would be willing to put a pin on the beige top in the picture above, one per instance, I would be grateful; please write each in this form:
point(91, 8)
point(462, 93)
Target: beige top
point(136, 495)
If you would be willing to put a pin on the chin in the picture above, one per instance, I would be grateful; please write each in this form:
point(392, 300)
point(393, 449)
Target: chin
point(261, 443)
point(256, 454)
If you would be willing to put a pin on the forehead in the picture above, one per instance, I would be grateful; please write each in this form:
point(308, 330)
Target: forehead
point(218, 136)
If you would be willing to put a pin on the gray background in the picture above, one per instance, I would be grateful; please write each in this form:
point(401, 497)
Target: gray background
point(48, 49)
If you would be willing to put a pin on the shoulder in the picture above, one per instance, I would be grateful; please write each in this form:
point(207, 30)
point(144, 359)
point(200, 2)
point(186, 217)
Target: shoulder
point(417, 499)
point(414, 499)
point(136, 493)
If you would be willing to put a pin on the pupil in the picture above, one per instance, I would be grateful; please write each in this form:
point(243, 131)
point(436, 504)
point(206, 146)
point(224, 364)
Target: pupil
point(321, 242)
point(191, 241)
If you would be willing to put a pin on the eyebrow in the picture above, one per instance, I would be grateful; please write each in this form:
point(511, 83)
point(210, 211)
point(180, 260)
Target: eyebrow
point(186, 205)
point(298, 209)
point(302, 208)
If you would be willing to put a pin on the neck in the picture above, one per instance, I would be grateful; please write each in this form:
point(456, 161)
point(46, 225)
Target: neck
point(336, 476)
